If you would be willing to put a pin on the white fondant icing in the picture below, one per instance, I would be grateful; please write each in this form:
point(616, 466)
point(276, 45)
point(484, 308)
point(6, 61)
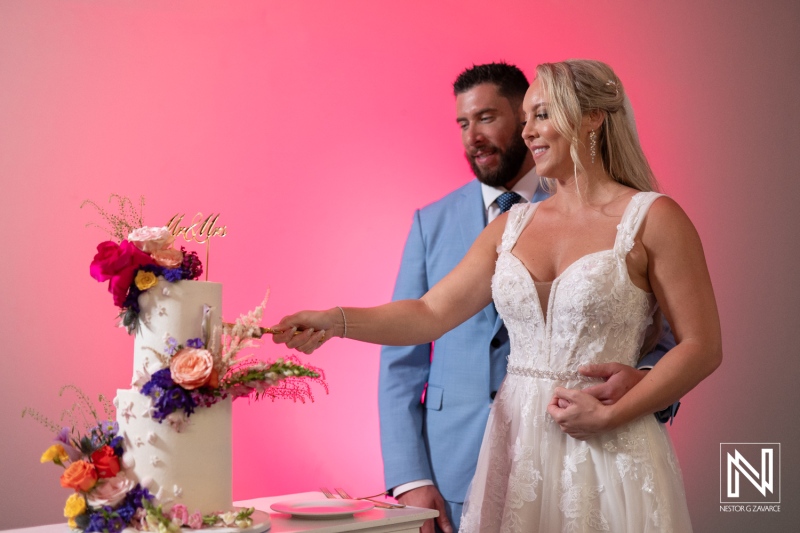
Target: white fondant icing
point(182, 317)
point(195, 463)
point(128, 461)
point(198, 459)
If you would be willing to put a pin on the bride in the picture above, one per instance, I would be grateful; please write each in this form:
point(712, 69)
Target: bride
point(577, 279)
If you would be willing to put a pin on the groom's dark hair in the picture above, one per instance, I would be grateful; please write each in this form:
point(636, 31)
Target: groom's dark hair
point(510, 81)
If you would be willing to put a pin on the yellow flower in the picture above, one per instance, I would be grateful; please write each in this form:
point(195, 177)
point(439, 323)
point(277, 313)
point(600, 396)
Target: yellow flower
point(72, 523)
point(54, 454)
point(144, 280)
point(76, 506)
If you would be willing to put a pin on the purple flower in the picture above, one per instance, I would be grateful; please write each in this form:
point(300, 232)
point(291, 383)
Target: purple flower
point(173, 274)
point(97, 522)
point(63, 437)
point(172, 346)
point(115, 523)
point(195, 343)
point(137, 496)
point(161, 378)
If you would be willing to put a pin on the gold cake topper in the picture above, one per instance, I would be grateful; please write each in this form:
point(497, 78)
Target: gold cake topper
point(201, 230)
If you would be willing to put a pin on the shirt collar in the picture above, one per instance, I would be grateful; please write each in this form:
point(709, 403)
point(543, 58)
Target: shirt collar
point(525, 187)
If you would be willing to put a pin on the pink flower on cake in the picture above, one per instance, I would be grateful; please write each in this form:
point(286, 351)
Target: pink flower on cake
point(180, 514)
point(117, 264)
point(192, 368)
point(170, 258)
point(111, 491)
point(151, 239)
point(80, 475)
point(106, 462)
point(195, 521)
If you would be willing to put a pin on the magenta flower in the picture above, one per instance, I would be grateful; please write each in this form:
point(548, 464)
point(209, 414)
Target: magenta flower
point(117, 264)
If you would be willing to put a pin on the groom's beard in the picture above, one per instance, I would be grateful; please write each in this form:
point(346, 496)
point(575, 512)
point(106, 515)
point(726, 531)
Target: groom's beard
point(511, 160)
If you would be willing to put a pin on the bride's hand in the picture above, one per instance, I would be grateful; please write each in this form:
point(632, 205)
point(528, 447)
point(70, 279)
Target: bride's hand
point(579, 415)
point(305, 331)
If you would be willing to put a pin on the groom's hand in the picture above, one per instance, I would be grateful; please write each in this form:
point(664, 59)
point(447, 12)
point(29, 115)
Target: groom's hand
point(619, 379)
point(428, 497)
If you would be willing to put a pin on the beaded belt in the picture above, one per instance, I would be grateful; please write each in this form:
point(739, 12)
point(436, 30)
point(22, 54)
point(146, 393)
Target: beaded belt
point(548, 374)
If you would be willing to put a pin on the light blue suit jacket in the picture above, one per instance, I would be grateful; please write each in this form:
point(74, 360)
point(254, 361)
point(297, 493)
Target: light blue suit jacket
point(440, 439)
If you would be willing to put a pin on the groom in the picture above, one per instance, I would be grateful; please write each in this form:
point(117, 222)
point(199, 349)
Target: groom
point(434, 402)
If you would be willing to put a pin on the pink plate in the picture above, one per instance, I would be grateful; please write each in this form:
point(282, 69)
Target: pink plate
point(323, 508)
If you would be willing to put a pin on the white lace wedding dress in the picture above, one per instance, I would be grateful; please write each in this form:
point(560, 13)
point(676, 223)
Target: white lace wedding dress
point(532, 477)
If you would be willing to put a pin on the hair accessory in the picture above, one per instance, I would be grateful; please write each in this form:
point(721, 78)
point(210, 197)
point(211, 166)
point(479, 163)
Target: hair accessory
point(592, 145)
point(344, 321)
point(614, 84)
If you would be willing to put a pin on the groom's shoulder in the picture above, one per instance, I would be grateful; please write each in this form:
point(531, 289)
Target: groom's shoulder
point(469, 192)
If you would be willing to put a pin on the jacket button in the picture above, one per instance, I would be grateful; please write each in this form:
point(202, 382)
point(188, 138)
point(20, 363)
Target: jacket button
point(496, 343)
point(493, 394)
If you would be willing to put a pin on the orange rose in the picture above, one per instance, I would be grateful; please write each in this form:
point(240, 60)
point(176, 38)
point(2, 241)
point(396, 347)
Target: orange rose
point(191, 368)
point(170, 258)
point(106, 462)
point(80, 475)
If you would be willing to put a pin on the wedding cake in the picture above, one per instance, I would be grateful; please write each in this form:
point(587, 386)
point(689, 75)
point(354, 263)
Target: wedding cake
point(165, 462)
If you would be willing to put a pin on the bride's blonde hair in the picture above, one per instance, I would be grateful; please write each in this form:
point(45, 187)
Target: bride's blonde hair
point(574, 88)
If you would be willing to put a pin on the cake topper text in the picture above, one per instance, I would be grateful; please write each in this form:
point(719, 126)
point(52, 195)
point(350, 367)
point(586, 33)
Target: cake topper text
point(200, 231)
point(207, 228)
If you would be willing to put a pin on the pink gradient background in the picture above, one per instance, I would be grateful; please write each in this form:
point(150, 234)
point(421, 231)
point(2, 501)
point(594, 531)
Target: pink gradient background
point(316, 128)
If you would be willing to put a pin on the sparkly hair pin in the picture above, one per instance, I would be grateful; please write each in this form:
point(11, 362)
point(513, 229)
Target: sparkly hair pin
point(614, 84)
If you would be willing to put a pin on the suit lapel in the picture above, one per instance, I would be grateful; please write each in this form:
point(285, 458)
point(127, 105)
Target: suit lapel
point(472, 219)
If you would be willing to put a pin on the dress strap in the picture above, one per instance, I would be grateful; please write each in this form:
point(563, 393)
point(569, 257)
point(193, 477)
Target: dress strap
point(632, 220)
point(518, 217)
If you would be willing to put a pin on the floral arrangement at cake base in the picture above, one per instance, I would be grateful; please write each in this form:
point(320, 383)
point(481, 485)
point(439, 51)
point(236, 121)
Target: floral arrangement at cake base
point(105, 499)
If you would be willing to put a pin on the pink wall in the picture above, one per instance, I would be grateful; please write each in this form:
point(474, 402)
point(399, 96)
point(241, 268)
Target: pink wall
point(316, 128)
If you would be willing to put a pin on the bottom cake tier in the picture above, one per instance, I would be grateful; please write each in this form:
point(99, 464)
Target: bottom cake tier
point(188, 464)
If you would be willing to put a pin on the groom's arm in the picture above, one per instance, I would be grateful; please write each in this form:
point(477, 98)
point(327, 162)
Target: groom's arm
point(665, 344)
point(403, 375)
point(620, 378)
point(404, 372)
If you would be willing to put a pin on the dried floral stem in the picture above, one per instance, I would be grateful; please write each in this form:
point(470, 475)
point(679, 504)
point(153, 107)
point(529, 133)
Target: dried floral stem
point(39, 417)
point(120, 225)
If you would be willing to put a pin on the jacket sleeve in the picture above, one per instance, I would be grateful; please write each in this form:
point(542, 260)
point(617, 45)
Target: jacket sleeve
point(403, 377)
point(665, 344)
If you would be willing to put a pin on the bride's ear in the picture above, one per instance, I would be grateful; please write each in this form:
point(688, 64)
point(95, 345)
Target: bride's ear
point(594, 119)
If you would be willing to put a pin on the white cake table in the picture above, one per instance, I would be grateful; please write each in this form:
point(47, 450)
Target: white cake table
point(376, 520)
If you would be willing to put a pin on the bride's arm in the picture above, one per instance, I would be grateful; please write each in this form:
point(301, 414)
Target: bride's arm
point(459, 295)
point(678, 275)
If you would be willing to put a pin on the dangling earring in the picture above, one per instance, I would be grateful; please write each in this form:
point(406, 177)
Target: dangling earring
point(593, 144)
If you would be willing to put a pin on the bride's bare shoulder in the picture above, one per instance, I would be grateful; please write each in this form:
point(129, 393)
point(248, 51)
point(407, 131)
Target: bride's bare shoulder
point(666, 221)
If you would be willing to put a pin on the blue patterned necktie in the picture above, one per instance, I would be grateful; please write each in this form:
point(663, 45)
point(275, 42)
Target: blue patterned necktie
point(507, 199)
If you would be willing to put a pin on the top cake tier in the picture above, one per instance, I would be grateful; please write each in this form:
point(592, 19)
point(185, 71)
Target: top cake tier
point(174, 310)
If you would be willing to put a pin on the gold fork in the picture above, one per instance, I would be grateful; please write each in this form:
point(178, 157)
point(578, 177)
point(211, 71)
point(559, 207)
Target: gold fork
point(385, 505)
point(328, 494)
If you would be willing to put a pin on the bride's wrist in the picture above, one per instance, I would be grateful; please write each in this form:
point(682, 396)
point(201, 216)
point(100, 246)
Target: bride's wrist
point(340, 322)
point(612, 417)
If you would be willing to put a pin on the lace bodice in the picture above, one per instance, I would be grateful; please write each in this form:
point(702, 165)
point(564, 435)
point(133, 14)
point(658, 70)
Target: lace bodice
point(595, 313)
